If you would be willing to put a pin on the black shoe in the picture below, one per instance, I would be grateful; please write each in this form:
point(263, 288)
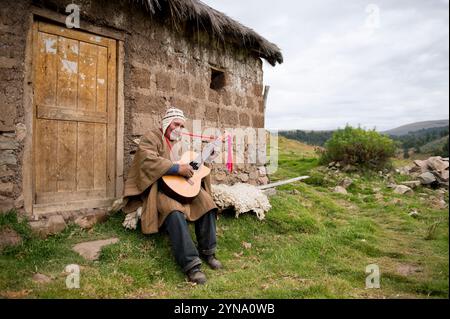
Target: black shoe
point(212, 261)
point(195, 275)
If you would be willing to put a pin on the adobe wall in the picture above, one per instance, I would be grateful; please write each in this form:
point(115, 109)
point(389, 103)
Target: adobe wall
point(161, 68)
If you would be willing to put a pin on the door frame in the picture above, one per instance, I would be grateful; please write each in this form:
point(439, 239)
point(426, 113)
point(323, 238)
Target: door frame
point(28, 174)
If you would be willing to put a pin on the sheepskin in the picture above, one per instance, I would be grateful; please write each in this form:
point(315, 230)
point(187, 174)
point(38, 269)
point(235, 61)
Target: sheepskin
point(242, 198)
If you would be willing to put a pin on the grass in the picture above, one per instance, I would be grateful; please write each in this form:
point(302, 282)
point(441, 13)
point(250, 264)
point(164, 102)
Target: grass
point(312, 244)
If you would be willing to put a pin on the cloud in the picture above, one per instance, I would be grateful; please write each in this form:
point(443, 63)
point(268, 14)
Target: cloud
point(345, 65)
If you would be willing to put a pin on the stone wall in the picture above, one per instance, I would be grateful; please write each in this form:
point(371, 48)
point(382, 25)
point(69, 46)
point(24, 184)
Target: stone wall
point(161, 68)
point(13, 29)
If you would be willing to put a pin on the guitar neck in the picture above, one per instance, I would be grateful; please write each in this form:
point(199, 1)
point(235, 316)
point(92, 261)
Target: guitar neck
point(207, 151)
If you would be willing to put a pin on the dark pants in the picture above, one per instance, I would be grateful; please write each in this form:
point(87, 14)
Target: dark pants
point(183, 247)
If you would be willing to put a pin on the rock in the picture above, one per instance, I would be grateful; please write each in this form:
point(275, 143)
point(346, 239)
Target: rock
point(427, 178)
point(408, 270)
point(18, 203)
point(404, 170)
point(253, 175)
point(53, 225)
point(6, 189)
point(220, 176)
point(88, 221)
point(263, 180)
point(437, 164)
point(331, 164)
point(91, 250)
point(422, 165)
point(8, 158)
point(444, 176)
point(391, 185)
point(441, 204)
point(295, 192)
point(21, 132)
point(414, 214)
point(262, 170)
point(8, 145)
point(412, 184)
point(346, 182)
point(5, 171)
point(402, 190)
point(340, 190)
point(270, 192)
point(379, 196)
point(9, 238)
point(6, 204)
point(41, 278)
point(349, 168)
point(243, 177)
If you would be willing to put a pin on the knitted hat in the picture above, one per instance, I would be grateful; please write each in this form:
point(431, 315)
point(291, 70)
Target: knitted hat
point(171, 114)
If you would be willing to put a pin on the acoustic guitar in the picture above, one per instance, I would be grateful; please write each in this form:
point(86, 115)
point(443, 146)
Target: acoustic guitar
point(190, 187)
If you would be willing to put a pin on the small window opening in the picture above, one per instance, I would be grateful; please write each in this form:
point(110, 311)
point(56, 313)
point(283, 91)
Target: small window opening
point(217, 79)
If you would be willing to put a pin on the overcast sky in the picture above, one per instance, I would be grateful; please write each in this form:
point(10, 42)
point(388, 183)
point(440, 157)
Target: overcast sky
point(370, 63)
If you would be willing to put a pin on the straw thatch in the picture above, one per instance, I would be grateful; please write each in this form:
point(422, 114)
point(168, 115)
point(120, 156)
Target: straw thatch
point(205, 18)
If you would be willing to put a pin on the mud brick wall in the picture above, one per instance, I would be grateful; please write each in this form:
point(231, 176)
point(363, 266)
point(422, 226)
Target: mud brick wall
point(13, 28)
point(162, 67)
point(179, 74)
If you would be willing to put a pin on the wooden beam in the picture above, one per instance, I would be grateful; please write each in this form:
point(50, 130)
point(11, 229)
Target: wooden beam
point(283, 182)
point(120, 119)
point(61, 18)
point(42, 209)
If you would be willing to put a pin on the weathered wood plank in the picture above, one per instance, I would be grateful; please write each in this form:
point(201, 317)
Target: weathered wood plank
point(46, 69)
point(85, 156)
point(111, 131)
point(46, 154)
point(102, 79)
point(100, 156)
point(67, 156)
point(120, 119)
point(73, 34)
point(52, 197)
point(87, 77)
point(59, 113)
point(67, 73)
point(41, 209)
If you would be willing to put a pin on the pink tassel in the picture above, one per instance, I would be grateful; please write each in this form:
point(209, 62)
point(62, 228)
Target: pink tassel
point(230, 154)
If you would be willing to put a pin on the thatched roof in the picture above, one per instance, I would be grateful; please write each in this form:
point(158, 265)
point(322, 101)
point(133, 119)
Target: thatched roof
point(212, 21)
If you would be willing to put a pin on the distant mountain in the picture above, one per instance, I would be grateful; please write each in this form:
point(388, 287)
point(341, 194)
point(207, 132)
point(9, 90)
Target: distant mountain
point(435, 147)
point(413, 127)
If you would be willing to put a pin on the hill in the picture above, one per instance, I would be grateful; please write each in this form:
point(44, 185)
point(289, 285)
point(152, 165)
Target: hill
point(309, 137)
point(435, 147)
point(417, 126)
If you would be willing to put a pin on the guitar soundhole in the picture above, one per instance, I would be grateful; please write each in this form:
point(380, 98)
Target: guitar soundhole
point(194, 165)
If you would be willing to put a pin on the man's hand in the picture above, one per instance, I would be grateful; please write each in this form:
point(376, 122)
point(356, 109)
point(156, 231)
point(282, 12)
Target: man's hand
point(186, 170)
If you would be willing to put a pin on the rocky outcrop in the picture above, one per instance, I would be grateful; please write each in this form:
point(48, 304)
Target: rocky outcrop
point(432, 172)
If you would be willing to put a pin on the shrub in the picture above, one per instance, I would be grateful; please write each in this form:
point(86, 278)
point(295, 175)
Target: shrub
point(356, 146)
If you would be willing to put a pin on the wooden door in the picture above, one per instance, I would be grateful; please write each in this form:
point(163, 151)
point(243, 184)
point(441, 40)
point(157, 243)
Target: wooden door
point(74, 119)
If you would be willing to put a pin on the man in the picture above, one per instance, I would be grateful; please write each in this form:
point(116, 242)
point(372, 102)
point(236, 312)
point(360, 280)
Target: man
point(144, 192)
